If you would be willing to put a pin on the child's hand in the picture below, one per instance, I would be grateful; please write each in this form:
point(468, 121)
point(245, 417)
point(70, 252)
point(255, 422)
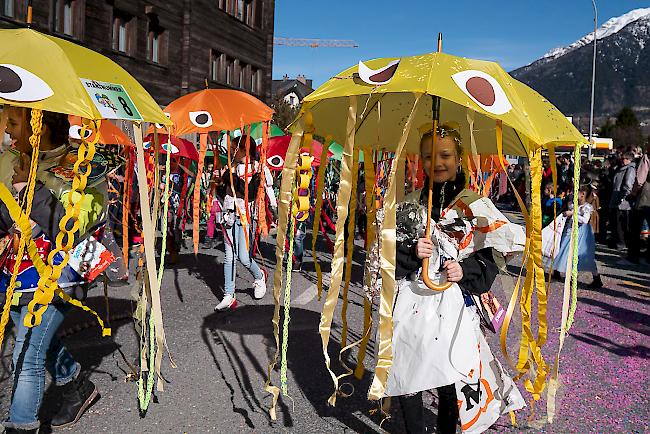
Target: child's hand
point(424, 248)
point(21, 170)
point(454, 271)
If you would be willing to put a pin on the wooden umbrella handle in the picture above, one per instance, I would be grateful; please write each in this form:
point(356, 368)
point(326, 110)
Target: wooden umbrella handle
point(425, 262)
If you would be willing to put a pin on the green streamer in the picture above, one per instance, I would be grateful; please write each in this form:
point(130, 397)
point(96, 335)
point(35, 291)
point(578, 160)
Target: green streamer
point(144, 396)
point(574, 234)
point(287, 305)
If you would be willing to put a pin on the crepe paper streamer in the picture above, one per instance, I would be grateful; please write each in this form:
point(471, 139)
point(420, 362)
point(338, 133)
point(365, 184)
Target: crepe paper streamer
point(287, 307)
point(574, 232)
point(145, 393)
point(284, 203)
point(203, 147)
point(371, 213)
point(318, 210)
point(388, 255)
point(163, 224)
point(343, 199)
point(149, 253)
point(555, 371)
point(69, 224)
point(262, 226)
point(35, 140)
point(126, 204)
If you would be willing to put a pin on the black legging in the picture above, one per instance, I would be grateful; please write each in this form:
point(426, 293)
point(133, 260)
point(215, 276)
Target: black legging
point(413, 411)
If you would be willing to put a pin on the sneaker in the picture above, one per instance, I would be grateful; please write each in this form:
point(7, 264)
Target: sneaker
point(227, 302)
point(260, 286)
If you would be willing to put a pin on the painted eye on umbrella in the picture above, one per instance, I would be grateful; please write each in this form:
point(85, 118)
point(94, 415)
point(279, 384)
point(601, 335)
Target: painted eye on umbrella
point(378, 76)
point(276, 161)
point(169, 147)
point(201, 119)
point(161, 126)
point(75, 132)
point(18, 84)
point(484, 90)
point(146, 145)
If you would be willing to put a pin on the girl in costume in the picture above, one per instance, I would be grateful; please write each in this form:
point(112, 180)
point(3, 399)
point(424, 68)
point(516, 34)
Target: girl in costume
point(239, 218)
point(437, 337)
point(586, 239)
point(39, 349)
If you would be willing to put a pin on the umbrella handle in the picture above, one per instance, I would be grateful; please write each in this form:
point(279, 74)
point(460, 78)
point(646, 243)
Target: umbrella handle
point(425, 262)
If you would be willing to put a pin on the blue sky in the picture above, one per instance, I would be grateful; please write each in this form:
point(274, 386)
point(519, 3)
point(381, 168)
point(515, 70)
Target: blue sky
point(511, 32)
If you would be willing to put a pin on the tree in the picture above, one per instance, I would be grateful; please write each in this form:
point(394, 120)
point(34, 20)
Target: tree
point(284, 113)
point(626, 131)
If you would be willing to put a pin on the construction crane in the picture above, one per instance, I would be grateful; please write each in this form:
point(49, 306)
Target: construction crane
point(315, 43)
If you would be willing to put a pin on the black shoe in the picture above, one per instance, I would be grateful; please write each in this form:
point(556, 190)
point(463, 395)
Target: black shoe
point(557, 276)
point(596, 284)
point(78, 395)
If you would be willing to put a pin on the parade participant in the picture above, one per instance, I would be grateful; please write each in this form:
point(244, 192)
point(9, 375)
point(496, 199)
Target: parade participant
point(38, 349)
point(425, 355)
point(586, 240)
point(239, 220)
point(550, 204)
point(619, 204)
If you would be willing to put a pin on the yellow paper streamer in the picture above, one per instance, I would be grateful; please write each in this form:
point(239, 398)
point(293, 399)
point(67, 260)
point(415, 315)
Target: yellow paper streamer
point(388, 252)
point(284, 202)
point(343, 199)
point(320, 181)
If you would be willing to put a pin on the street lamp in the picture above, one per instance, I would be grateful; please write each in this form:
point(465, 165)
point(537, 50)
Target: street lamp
point(593, 84)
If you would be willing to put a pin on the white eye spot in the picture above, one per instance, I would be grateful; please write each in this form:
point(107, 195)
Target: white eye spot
point(168, 146)
point(161, 126)
point(276, 162)
point(378, 76)
point(201, 119)
point(18, 84)
point(75, 132)
point(146, 145)
point(484, 90)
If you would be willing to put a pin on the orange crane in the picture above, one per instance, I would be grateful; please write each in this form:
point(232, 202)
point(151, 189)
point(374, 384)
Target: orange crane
point(315, 43)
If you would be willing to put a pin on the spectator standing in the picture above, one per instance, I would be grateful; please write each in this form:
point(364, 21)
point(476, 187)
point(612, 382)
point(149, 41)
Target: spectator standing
point(619, 204)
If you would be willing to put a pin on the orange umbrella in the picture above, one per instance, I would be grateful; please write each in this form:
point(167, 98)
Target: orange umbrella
point(109, 133)
point(216, 110)
point(213, 110)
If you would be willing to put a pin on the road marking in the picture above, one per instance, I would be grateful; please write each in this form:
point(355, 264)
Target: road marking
point(307, 296)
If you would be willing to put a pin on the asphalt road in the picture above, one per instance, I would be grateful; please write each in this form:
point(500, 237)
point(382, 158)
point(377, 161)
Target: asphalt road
point(222, 358)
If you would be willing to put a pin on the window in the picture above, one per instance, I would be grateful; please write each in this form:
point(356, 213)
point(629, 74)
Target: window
point(239, 13)
point(243, 73)
point(256, 81)
point(123, 33)
point(217, 62)
point(230, 71)
point(16, 9)
point(223, 5)
point(68, 17)
point(156, 41)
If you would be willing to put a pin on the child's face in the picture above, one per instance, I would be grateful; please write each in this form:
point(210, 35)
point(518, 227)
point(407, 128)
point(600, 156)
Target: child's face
point(446, 159)
point(16, 128)
point(582, 196)
point(548, 190)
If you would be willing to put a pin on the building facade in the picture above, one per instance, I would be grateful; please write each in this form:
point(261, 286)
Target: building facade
point(172, 47)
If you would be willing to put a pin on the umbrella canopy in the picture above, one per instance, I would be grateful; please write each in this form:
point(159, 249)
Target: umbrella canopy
point(277, 152)
point(470, 89)
point(337, 152)
point(180, 148)
point(49, 73)
point(256, 131)
point(216, 110)
point(109, 133)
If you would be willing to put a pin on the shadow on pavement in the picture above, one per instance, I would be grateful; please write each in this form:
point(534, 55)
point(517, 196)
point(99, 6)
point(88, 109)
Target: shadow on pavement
point(640, 351)
point(305, 365)
point(633, 320)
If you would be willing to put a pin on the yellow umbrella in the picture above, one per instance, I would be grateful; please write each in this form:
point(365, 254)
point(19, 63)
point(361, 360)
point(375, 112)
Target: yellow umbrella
point(476, 88)
point(386, 105)
point(48, 73)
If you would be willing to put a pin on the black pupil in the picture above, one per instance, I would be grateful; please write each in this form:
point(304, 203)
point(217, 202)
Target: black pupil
point(202, 119)
point(9, 80)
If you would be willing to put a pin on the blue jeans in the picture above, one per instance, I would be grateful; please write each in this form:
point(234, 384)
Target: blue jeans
point(36, 350)
point(236, 242)
point(298, 248)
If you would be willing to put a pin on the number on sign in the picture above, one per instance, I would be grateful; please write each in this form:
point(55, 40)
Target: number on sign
point(125, 106)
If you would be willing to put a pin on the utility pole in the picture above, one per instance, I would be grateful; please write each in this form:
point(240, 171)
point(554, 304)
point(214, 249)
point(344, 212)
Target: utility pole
point(593, 84)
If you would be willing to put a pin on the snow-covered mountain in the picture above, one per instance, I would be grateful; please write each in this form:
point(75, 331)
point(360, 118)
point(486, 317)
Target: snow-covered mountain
point(613, 25)
point(622, 70)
